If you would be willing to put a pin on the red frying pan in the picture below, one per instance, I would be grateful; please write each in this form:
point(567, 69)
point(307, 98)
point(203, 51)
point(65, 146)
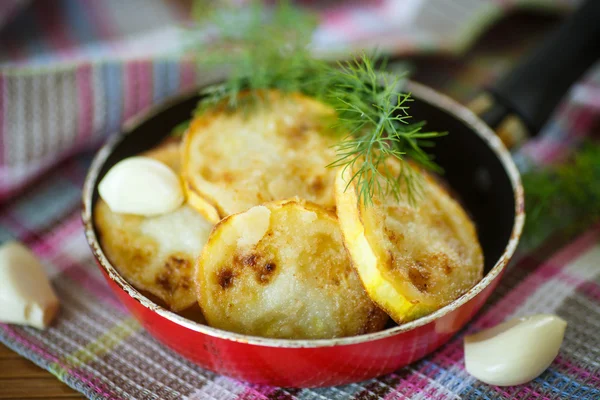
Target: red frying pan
point(477, 166)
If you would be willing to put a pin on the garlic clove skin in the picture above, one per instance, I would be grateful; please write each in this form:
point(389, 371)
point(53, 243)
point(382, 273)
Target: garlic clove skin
point(26, 297)
point(141, 186)
point(516, 351)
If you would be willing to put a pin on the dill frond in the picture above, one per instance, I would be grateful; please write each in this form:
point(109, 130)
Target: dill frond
point(263, 48)
point(268, 48)
point(565, 196)
point(374, 112)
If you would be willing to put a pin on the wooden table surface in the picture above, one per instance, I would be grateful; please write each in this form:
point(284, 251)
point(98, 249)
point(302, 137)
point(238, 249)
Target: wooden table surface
point(22, 379)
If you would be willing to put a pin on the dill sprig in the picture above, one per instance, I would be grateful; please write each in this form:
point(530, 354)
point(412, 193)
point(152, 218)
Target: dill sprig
point(268, 48)
point(373, 111)
point(564, 196)
point(262, 48)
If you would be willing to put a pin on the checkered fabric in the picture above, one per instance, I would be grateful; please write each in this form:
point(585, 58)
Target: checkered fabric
point(71, 71)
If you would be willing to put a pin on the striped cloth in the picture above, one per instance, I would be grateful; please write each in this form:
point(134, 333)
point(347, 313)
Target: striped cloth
point(62, 94)
point(72, 71)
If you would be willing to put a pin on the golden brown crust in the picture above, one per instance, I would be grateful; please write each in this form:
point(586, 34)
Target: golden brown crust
point(412, 260)
point(280, 270)
point(154, 253)
point(233, 160)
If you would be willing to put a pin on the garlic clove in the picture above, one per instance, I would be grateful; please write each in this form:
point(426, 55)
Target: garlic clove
point(26, 296)
point(142, 186)
point(516, 351)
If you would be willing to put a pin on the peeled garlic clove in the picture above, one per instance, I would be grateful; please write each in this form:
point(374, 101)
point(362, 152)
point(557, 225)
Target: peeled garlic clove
point(141, 186)
point(516, 351)
point(26, 296)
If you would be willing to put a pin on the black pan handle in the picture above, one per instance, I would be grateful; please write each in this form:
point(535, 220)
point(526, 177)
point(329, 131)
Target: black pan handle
point(525, 98)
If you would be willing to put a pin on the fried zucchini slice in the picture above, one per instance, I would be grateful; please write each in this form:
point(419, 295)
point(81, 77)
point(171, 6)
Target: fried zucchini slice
point(280, 270)
point(412, 260)
point(234, 160)
point(156, 254)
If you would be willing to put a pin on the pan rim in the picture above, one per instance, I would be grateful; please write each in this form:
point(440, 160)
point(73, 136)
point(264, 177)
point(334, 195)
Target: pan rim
point(419, 91)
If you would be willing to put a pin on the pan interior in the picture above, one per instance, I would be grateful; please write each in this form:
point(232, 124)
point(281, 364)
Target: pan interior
point(477, 176)
point(472, 169)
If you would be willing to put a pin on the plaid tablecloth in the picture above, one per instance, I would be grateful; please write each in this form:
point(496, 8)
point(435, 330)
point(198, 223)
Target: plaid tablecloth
point(96, 347)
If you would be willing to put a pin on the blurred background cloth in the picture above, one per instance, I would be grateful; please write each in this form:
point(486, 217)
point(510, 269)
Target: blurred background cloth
point(72, 71)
